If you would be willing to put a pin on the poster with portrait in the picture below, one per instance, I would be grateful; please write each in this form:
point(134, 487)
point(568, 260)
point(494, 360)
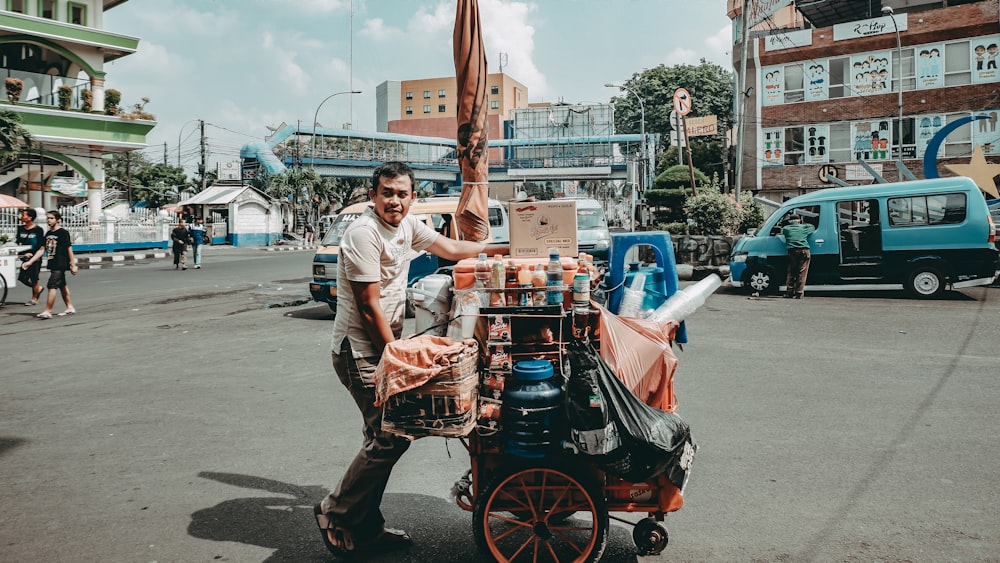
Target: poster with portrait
point(984, 51)
point(927, 127)
point(773, 147)
point(772, 84)
point(817, 80)
point(871, 140)
point(870, 73)
point(817, 144)
point(929, 65)
point(984, 132)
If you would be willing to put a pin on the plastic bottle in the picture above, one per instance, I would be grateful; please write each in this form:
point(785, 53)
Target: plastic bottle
point(632, 300)
point(682, 304)
point(524, 286)
point(554, 278)
point(510, 287)
point(482, 274)
point(581, 283)
point(497, 274)
point(538, 280)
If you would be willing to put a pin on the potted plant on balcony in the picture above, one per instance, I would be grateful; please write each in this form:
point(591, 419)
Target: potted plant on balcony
point(86, 100)
point(65, 96)
point(14, 88)
point(112, 98)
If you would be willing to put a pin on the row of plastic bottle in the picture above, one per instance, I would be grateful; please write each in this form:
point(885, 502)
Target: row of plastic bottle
point(524, 285)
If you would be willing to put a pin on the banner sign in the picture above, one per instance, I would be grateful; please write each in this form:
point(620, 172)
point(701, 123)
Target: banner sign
point(73, 187)
point(700, 126)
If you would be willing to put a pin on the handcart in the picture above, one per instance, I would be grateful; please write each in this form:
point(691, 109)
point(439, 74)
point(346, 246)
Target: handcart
point(557, 507)
point(553, 503)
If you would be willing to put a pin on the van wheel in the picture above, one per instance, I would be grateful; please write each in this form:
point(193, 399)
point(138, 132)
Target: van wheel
point(926, 282)
point(759, 280)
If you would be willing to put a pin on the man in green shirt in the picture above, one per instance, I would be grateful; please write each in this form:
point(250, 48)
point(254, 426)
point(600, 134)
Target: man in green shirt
point(796, 235)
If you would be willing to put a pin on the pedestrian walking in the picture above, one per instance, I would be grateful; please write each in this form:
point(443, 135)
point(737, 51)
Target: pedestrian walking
point(371, 273)
point(197, 236)
point(796, 235)
point(59, 247)
point(33, 236)
point(181, 237)
point(310, 233)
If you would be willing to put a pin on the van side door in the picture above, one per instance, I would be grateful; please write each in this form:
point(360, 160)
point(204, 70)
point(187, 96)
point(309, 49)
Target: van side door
point(859, 229)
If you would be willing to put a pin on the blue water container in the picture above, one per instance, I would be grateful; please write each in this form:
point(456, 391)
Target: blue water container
point(655, 286)
point(531, 403)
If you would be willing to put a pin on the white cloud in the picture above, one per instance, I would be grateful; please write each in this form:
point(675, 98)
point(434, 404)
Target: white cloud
point(720, 46)
point(681, 56)
point(376, 30)
point(509, 32)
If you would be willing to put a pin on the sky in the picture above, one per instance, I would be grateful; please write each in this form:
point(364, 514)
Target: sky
point(244, 65)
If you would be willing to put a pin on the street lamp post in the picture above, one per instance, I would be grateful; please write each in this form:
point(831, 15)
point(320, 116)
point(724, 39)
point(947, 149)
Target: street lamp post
point(645, 156)
point(312, 159)
point(887, 11)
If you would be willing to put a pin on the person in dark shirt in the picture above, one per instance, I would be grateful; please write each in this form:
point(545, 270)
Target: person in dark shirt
point(796, 235)
point(181, 237)
point(58, 246)
point(33, 236)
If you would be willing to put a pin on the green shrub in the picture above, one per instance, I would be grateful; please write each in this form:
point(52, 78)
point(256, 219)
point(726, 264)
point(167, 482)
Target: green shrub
point(711, 212)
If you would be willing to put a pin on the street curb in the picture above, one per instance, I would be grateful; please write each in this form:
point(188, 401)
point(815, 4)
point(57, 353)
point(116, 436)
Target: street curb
point(284, 248)
point(85, 262)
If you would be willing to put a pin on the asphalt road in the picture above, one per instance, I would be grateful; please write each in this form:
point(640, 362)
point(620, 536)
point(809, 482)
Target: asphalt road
point(193, 416)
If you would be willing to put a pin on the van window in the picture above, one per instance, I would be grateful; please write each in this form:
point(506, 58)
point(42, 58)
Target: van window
point(496, 219)
point(809, 213)
point(941, 209)
point(588, 219)
point(332, 238)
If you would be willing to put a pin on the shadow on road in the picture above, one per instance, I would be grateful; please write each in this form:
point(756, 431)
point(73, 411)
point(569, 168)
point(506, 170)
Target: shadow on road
point(7, 444)
point(284, 522)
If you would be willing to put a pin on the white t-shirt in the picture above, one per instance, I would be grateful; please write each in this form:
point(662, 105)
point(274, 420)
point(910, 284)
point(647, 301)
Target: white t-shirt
point(371, 251)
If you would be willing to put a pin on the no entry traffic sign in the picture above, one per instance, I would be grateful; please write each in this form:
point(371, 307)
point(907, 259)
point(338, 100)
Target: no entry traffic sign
point(682, 101)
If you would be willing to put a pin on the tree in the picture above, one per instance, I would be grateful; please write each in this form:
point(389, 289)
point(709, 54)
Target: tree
point(711, 89)
point(679, 176)
point(12, 134)
point(155, 184)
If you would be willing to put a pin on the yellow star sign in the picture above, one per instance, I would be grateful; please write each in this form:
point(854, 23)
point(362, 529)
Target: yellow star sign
point(981, 171)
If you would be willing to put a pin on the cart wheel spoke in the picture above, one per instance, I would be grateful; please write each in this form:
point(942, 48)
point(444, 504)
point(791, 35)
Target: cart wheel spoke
point(542, 501)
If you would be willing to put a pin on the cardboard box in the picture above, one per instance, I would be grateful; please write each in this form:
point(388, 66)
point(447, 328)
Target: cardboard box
point(536, 226)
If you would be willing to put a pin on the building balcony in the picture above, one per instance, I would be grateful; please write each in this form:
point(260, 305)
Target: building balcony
point(111, 45)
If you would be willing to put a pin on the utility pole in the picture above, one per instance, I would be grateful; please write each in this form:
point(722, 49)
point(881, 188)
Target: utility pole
point(741, 118)
point(164, 153)
point(201, 167)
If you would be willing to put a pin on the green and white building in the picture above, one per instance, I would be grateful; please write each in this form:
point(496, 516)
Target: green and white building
point(57, 49)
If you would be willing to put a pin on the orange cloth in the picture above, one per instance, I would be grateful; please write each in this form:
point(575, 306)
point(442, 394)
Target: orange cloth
point(473, 159)
point(639, 353)
point(409, 363)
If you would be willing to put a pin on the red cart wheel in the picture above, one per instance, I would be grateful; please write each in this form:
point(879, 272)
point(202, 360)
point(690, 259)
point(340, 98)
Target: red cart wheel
point(523, 514)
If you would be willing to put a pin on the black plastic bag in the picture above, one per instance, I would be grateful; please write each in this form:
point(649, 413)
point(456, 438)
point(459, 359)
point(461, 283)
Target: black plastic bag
point(625, 437)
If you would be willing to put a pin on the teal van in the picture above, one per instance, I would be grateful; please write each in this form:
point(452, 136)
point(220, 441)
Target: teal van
point(924, 236)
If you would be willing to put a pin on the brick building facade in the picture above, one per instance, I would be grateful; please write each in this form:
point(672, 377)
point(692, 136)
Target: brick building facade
point(824, 97)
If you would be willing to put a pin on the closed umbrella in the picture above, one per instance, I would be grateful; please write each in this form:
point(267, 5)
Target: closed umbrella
point(473, 158)
point(7, 202)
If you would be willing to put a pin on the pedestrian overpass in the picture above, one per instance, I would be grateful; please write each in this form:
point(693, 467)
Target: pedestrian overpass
point(344, 153)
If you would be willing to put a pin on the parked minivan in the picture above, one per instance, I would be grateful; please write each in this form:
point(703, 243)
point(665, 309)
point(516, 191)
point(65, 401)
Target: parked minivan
point(437, 212)
point(922, 236)
point(592, 234)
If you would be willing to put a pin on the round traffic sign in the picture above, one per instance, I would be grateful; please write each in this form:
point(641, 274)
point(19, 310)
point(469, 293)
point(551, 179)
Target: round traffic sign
point(826, 172)
point(682, 101)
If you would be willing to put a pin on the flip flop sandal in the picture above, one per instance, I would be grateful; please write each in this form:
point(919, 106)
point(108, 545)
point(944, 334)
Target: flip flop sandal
point(338, 541)
point(44, 315)
point(68, 312)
